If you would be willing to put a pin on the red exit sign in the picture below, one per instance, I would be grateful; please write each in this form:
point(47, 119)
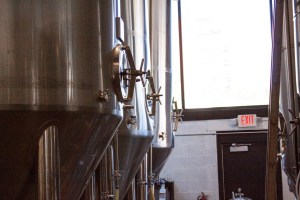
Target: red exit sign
point(247, 120)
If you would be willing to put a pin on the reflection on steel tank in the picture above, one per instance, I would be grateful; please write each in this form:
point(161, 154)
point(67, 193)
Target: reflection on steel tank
point(58, 107)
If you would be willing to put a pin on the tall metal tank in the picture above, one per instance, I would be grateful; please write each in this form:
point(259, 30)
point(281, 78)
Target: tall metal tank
point(135, 132)
point(289, 96)
point(58, 112)
point(163, 141)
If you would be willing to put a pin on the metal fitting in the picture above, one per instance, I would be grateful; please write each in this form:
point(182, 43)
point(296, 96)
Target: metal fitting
point(104, 96)
point(132, 121)
point(128, 107)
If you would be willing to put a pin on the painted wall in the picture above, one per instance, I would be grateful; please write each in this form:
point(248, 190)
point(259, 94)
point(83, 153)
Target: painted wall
point(192, 164)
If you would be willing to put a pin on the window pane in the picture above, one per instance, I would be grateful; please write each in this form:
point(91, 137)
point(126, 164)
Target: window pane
point(226, 52)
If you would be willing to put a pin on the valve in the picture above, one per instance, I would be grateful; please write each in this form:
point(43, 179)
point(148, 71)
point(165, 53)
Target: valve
point(295, 122)
point(132, 121)
point(162, 135)
point(282, 134)
point(151, 177)
point(106, 196)
point(133, 72)
point(103, 96)
point(154, 96)
point(176, 116)
point(141, 182)
point(281, 126)
point(124, 73)
point(117, 176)
point(238, 194)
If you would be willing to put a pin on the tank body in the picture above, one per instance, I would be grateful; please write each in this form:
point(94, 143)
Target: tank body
point(163, 140)
point(135, 140)
point(55, 61)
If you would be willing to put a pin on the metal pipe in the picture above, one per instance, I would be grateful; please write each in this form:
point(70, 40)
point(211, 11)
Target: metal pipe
point(103, 177)
point(274, 103)
point(296, 43)
point(151, 175)
point(181, 54)
point(145, 177)
point(142, 189)
point(110, 170)
point(116, 174)
point(49, 165)
point(89, 192)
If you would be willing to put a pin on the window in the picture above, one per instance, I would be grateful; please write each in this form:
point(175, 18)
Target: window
point(226, 53)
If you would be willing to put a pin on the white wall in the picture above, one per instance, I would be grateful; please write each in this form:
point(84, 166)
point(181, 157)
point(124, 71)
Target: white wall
point(192, 164)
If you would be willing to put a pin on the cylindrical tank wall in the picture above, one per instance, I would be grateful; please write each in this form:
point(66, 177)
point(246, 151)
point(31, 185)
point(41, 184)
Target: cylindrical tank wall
point(55, 53)
point(161, 51)
point(55, 60)
point(134, 139)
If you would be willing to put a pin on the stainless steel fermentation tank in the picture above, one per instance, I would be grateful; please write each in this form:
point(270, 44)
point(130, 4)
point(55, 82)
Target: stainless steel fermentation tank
point(289, 95)
point(58, 109)
point(157, 52)
point(141, 90)
point(161, 51)
point(136, 131)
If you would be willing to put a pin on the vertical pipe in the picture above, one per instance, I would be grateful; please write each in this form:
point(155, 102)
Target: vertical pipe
point(90, 190)
point(131, 192)
point(110, 169)
point(103, 177)
point(151, 175)
point(145, 177)
point(181, 54)
point(49, 165)
point(116, 173)
point(142, 189)
point(274, 103)
point(140, 183)
point(296, 38)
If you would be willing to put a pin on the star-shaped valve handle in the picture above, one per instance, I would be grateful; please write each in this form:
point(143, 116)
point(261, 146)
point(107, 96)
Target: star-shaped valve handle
point(177, 115)
point(295, 122)
point(124, 71)
point(282, 134)
point(153, 96)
